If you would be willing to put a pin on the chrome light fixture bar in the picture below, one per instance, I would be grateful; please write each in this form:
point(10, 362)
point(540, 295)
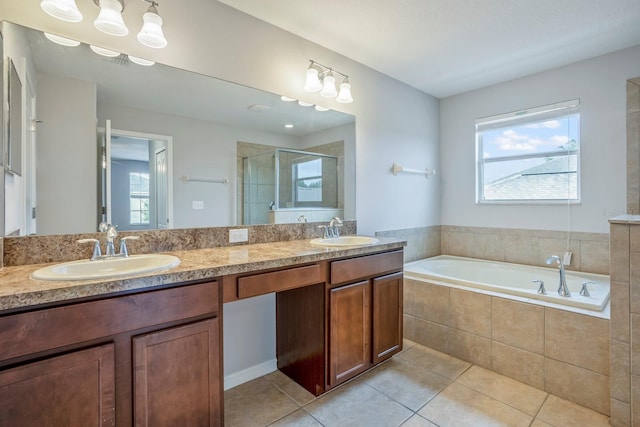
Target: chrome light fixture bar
point(321, 78)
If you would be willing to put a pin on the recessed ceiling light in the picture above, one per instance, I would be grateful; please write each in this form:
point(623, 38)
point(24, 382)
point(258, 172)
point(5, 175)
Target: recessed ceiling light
point(321, 108)
point(288, 125)
point(63, 41)
point(305, 104)
point(141, 61)
point(286, 99)
point(104, 52)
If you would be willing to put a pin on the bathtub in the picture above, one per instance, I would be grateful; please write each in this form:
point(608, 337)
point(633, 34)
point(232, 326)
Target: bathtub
point(512, 279)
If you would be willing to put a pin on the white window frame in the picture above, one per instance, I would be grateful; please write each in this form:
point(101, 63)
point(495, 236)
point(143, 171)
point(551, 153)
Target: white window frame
point(139, 196)
point(517, 118)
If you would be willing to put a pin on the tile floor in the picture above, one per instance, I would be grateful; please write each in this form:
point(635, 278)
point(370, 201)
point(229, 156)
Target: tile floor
point(418, 387)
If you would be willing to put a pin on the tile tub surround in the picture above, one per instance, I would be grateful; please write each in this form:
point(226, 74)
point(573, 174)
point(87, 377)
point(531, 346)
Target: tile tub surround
point(532, 247)
point(417, 387)
point(557, 351)
point(62, 248)
point(422, 242)
point(625, 320)
point(19, 291)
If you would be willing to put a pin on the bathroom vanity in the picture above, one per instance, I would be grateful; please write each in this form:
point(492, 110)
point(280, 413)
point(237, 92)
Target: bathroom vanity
point(147, 350)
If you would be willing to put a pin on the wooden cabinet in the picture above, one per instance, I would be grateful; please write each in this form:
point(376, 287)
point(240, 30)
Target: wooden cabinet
point(387, 316)
point(74, 389)
point(145, 359)
point(349, 331)
point(173, 373)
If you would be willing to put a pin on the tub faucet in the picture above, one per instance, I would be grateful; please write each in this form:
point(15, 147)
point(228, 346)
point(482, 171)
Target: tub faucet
point(563, 290)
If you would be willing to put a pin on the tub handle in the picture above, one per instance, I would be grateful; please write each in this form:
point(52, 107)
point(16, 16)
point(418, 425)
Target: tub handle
point(541, 289)
point(584, 291)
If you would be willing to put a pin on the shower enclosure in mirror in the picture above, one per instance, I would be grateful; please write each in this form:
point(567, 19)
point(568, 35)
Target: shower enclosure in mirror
point(285, 185)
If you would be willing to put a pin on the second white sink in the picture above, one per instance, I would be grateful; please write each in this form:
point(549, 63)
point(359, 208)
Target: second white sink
point(106, 268)
point(345, 241)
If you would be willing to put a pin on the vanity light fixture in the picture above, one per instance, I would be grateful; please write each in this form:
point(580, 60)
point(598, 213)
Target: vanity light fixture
point(63, 41)
point(321, 78)
point(109, 21)
point(104, 52)
point(305, 104)
point(287, 99)
point(288, 126)
point(321, 108)
point(65, 10)
point(151, 33)
point(140, 61)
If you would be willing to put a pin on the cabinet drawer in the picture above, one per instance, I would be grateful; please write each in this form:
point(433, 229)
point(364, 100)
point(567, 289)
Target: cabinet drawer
point(276, 281)
point(32, 332)
point(366, 266)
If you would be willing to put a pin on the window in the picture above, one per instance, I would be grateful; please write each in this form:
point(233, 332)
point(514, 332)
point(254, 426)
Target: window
point(530, 156)
point(138, 198)
point(307, 176)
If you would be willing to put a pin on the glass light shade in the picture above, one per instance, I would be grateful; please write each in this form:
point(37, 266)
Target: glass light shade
point(321, 108)
point(286, 99)
point(140, 61)
point(329, 86)
point(344, 97)
point(109, 21)
point(304, 104)
point(313, 83)
point(104, 52)
point(65, 10)
point(151, 33)
point(63, 41)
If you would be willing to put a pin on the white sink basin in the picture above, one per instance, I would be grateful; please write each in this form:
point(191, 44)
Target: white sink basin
point(345, 241)
point(106, 268)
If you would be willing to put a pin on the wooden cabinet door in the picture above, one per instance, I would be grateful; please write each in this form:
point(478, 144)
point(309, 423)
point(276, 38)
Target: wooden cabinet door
point(177, 376)
point(75, 389)
point(349, 331)
point(387, 316)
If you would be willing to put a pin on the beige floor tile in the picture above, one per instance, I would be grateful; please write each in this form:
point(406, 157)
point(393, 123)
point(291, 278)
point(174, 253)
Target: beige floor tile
point(540, 423)
point(289, 387)
point(514, 393)
point(418, 421)
point(402, 382)
point(255, 403)
point(300, 418)
point(562, 413)
point(440, 363)
point(357, 404)
point(460, 406)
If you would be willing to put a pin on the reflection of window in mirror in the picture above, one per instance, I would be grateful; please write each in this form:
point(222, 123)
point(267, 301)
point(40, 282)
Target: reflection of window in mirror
point(138, 198)
point(14, 146)
point(307, 183)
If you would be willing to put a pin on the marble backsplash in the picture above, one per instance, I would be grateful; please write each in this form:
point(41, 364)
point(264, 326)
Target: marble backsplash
point(61, 248)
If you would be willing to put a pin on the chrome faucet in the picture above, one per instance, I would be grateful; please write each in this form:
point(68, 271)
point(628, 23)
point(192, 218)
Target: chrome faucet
point(331, 231)
point(111, 234)
point(563, 290)
point(110, 250)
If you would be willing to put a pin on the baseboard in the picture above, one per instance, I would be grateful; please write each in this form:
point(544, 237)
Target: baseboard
point(250, 373)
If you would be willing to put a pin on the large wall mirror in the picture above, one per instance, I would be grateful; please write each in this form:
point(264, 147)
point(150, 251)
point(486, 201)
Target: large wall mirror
point(194, 150)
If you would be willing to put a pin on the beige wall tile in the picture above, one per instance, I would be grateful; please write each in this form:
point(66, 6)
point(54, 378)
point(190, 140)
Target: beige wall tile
point(518, 324)
point(408, 327)
point(577, 339)
point(518, 364)
point(440, 363)
point(471, 312)
point(457, 243)
point(594, 257)
point(488, 246)
point(620, 319)
point(635, 344)
point(634, 299)
point(620, 371)
point(548, 246)
point(634, 239)
point(431, 334)
point(426, 301)
point(578, 385)
point(521, 249)
point(620, 414)
point(619, 257)
point(470, 347)
point(635, 399)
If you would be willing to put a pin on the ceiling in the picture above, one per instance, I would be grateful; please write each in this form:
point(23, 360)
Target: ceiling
point(446, 47)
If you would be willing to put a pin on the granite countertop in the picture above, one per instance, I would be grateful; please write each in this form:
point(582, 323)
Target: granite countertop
point(18, 290)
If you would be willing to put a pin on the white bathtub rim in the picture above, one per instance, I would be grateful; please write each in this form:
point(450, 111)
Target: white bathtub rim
point(459, 284)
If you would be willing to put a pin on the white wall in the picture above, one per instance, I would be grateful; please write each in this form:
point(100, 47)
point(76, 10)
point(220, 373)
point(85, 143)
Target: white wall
point(394, 122)
point(600, 84)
